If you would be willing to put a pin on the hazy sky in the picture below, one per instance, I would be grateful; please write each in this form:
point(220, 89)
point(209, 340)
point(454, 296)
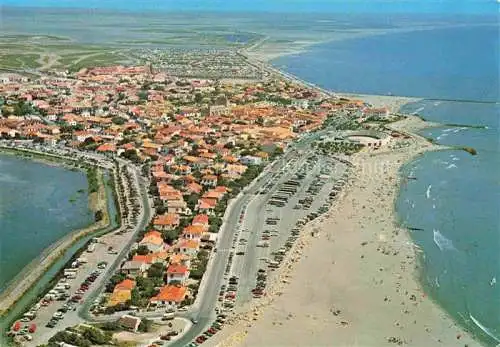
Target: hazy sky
point(440, 6)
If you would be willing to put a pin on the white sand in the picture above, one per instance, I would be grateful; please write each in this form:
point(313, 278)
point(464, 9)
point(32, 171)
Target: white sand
point(355, 283)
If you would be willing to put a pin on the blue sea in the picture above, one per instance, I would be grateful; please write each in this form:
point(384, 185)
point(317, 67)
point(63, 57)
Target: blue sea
point(456, 198)
point(39, 204)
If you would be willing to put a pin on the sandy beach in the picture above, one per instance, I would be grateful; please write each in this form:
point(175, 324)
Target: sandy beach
point(34, 270)
point(356, 282)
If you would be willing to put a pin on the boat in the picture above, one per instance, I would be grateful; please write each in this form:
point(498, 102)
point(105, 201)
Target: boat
point(411, 177)
point(493, 281)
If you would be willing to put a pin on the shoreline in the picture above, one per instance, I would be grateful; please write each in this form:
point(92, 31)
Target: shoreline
point(267, 52)
point(277, 319)
point(34, 270)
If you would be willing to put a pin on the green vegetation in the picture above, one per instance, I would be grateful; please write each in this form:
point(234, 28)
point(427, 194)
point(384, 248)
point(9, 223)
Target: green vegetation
point(98, 216)
point(20, 108)
point(97, 59)
point(82, 336)
point(92, 179)
point(146, 325)
point(145, 289)
point(200, 265)
point(19, 61)
point(114, 280)
point(156, 270)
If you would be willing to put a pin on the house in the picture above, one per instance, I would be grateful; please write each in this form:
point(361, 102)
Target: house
point(219, 110)
point(148, 259)
point(121, 293)
point(201, 219)
point(206, 205)
point(235, 170)
point(126, 284)
point(209, 180)
point(129, 322)
point(178, 207)
point(107, 148)
point(177, 273)
point(169, 295)
point(251, 160)
point(180, 259)
point(153, 241)
point(188, 247)
point(194, 188)
point(213, 194)
point(167, 221)
point(135, 268)
point(194, 232)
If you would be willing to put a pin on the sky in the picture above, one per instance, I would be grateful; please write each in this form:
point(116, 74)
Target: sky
point(359, 6)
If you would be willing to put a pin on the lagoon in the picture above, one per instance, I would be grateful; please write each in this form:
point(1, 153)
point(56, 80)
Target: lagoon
point(39, 204)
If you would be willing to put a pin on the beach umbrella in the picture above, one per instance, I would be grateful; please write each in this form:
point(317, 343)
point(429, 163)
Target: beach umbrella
point(16, 326)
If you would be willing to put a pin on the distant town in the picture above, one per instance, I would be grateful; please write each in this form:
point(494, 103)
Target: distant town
point(190, 151)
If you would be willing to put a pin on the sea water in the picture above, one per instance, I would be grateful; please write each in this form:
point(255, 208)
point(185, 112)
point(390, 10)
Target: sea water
point(39, 204)
point(456, 197)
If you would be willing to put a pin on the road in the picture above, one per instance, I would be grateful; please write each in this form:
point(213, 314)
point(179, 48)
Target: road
point(205, 312)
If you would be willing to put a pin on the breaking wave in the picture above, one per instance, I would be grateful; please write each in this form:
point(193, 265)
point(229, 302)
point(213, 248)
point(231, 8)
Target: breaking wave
point(428, 192)
point(442, 242)
point(483, 328)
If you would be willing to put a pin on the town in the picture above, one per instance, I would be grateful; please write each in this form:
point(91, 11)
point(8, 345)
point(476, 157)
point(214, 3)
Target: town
point(215, 180)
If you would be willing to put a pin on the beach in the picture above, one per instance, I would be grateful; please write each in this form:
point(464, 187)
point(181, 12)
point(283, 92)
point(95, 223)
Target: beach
point(356, 282)
point(34, 270)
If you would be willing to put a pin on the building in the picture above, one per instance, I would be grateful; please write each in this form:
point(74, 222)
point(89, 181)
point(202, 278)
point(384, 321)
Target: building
point(122, 292)
point(177, 274)
point(251, 160)
point(219, 110)
point(153, 241)
point(167, 221)
point(209, 180)
point(194, 232)
point(189, 247)
point(206, 206)
point(169, 295)
point(129, 322)
point(201, 219)
point(135, 268)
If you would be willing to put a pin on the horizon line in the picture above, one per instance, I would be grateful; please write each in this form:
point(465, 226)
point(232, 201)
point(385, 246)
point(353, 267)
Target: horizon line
point(250, 11)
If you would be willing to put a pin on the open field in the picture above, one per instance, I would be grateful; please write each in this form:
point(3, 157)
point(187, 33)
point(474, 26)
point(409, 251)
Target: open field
point(65, 37)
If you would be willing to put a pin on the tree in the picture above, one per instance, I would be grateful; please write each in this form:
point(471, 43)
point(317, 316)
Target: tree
point(131, 154)
point(170, 236)
point(118, 120)
point(198, 98)
point(145, 325)
point(161, 209)
point(142, 250)
point(114, 280)
point(143, 94)
point(98, 216)
point(110, 326)
point(192, 200)
point(156, 270)
point(95, 336)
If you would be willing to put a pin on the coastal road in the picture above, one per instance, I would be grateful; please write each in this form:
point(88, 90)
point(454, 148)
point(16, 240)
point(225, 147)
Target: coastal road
point(144, 218)
point(121, 242)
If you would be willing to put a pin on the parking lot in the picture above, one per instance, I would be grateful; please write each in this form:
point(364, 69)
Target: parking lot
point(272, 221)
